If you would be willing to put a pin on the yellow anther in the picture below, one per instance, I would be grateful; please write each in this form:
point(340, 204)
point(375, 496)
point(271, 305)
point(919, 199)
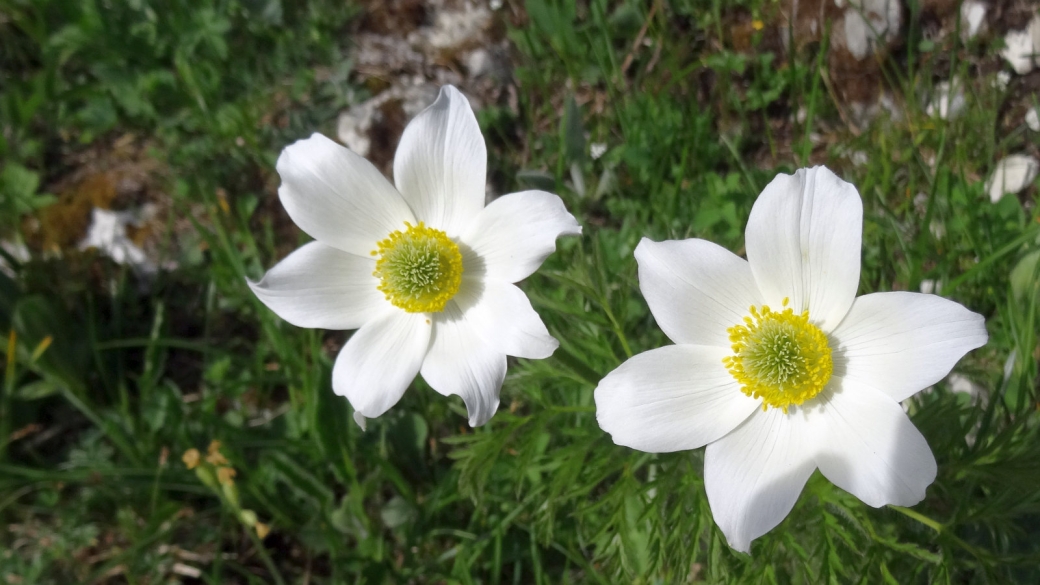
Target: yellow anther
point(779, 357)
point(419, 269)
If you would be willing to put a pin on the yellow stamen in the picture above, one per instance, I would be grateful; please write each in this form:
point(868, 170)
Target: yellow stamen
point(419, 269)
point(779, 357)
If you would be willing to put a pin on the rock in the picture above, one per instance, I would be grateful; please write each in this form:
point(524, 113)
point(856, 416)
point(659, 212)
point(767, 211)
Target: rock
point(108, 234)
point(1033, 120)
point(870, 25)
point(1022, 48)
point(18, 251)
point(947, 101)
point(1012, 175)
point(973, 19)
point(355, 125)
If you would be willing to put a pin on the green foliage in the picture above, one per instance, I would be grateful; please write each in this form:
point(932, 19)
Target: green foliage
point(122, 380)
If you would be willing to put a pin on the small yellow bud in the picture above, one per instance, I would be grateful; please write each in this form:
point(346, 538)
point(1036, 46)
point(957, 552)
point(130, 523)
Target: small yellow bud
point(191, 458)
point(225, 475)
point(214, 456)
point(262, 530)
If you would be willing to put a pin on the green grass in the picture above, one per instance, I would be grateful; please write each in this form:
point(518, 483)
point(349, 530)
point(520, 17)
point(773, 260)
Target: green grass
point(135, 376)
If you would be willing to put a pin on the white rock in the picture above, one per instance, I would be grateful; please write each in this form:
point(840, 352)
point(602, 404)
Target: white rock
point(477, 62)
point(1033, 120)
point(1023, 47)
point(973, 19)
point(454, 28)
point(961, 384)
point(18, 251)
point(888, 102)
point(929, 286)
point(947, 101)
point(353, 125)
point(597, 149)
point(107, 233)
point(1002, 80)
point(869, 24)
point(1012, 175)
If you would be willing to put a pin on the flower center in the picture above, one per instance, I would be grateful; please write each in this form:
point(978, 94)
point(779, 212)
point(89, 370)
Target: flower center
point(779, 357)
point(419, 269)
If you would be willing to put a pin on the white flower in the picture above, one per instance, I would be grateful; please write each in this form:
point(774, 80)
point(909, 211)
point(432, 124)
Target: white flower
point(778, 367)
point(423, 271)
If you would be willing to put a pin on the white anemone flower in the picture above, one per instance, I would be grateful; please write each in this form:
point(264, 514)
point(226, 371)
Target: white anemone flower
point(423, 271)
point(779, 368)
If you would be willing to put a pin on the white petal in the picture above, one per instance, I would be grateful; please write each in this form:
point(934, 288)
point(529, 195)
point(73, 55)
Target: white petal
point(696, 289)
point(337, 197)
point(803, 243)
point(502, 316)
point(441, 163)
point(380, 360)
point(901, 342)
point(671, 398)
point(515, 233)
point(321, 287)
point(360, 420)
point(868, 447)
point(460, 363)
point(753, 476)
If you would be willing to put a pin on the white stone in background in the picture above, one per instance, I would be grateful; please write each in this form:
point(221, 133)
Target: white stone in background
point(1002, 80)
point(870, 24)
point(947, 101)
point(888, 103)
point(1011, 175)
point(929, 286)
point(597, 149)
point(107, 233)
point(1023, 47)
point(16, 250)
point(454, 28)
point(973, 19)
point(477, 62)
point(962, 384)
point(1033, 120)
point(354, 124)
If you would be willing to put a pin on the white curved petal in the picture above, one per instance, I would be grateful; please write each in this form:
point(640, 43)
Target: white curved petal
point(502, 316)
point(513, 235)
point(803, 243)
point(441, 163)
point(361, 420)
point(380, 360)
point(671, 398)
point(321, 287)
point(696, 289)
point(902, 342)
point(460, 363)
point(753, 476)
point(337, 197)
point(869, 448)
